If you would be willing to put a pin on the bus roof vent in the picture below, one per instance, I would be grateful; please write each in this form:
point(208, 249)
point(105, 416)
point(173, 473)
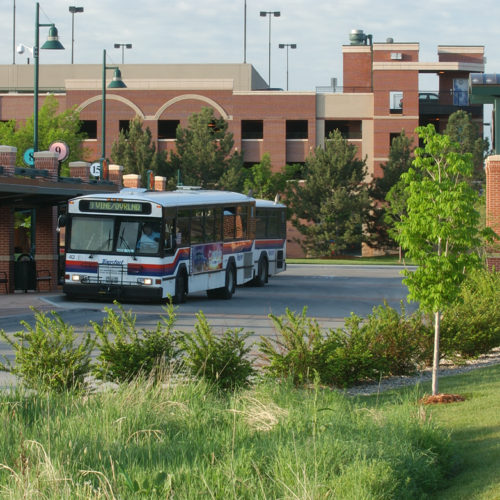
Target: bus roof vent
point(188, 188)
point(131, 191)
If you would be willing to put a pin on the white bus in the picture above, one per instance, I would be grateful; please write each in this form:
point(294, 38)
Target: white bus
point(148, 245)
point(270, 240)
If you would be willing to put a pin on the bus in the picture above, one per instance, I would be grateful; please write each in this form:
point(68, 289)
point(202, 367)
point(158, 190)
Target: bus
point(150, 245)
point(270, 240)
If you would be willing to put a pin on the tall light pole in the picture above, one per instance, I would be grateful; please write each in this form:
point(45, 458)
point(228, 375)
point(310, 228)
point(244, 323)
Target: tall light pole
point(73, 10)
point(245, 32)
point(14, 33)
point(123, 47)
point(116, 83)
point(52, 43)
point(287, 45)
point(275, 13)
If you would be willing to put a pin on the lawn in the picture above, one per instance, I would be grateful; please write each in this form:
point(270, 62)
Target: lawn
point(355, 261)
point(474, 427)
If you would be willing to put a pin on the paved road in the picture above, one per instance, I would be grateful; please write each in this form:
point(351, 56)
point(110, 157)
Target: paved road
point(329, 292)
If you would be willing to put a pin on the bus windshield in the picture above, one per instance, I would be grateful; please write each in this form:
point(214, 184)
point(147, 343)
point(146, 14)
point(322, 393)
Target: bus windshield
point(115, 234)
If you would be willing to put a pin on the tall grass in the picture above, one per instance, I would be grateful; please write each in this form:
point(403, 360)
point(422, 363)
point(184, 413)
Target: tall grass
point(182, 439)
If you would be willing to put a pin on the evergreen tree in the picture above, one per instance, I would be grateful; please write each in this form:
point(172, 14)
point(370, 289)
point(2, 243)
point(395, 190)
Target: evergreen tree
point(330, 206)
point(203, 152)
point(382, 214)
point(135, 152)
point(464, 133)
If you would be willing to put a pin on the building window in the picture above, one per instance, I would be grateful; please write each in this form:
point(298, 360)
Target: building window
point(252, 129)
point(393, 136)
point(167, 129)
point(348, 129)
point(89, 127)
point(124, 126)
point(396, 102)
point(296, 129)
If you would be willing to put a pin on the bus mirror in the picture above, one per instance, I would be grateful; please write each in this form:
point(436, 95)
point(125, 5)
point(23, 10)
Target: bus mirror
point(61, 222)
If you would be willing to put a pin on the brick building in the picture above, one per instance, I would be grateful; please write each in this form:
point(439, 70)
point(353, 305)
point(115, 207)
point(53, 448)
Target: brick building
point(379, 98)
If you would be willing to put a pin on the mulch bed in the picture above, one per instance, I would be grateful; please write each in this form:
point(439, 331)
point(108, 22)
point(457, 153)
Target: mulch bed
point(441, 398)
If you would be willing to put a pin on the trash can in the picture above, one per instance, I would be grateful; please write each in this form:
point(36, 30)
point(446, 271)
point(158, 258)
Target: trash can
point(25, 273)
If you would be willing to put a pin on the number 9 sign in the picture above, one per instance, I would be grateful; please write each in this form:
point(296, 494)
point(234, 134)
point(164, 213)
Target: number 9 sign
point(61, 148)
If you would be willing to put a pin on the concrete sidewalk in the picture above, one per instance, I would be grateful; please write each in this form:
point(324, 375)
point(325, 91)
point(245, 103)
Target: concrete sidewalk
point(19, 303)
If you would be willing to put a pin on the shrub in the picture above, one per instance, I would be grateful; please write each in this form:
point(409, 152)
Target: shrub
point(47, 357)
point(126, 352)
point(220, 360)
point(294, 354)
point(384, 343)
point(471, 326)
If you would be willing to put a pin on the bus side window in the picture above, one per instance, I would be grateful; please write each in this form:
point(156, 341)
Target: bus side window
point(183, 228)
point(169, 235)
point(229, 223)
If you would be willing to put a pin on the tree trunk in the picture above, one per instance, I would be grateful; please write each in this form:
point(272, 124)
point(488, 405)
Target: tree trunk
point(435, 361)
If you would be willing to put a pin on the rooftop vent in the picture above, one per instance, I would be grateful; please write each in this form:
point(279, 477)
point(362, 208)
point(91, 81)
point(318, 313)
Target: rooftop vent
point(357, 37)
point(389, 40)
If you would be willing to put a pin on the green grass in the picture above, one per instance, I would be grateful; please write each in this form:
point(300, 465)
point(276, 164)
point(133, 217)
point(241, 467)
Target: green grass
point(474, 426)
point(364, 261)
point(272, 441)
point(184, 440)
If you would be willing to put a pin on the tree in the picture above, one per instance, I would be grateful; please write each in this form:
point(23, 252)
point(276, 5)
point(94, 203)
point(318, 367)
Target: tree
point(380, 219)
point(440, 229)
point(233, 179)
point(330, 206)
point(52, 127)
point(203, 149)
point(135, 152)
point(263, 182)
point(465, 134)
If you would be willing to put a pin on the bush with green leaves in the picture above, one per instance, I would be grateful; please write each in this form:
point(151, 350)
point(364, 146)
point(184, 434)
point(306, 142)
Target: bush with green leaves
point(48, 355)
point(471, 326)
point(222, 360)
point(126, 352)
point(383, 343)
point(295, 352)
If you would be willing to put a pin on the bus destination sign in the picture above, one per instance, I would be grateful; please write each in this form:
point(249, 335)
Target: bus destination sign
point(115, 206)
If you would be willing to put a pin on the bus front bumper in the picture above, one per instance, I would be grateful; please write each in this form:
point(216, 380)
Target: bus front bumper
point(112, 291)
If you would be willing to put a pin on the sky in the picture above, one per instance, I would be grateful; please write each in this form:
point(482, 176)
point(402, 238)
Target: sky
point(200, 31)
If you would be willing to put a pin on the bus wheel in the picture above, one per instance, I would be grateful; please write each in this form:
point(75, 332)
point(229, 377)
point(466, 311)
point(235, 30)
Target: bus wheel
point(230, 285)
point(262, 272)
point(180, 288)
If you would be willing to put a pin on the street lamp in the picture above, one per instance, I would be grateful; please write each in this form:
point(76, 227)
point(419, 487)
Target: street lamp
point(52, 43)
point(123, 47)
point(116, 83)
point(264, 13)
point(73, 10)
point(282, 46)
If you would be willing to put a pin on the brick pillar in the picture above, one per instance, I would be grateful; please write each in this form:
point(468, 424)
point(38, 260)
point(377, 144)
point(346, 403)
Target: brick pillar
point(115, 174)
point(8, 159)
point(80, 169)
point(46, 241)
point(132, 181)
point(493, 207)
point(7, 246)
point(160, 183)
point(46, 160)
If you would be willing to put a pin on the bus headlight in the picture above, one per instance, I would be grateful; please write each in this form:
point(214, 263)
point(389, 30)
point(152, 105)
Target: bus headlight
point(75, 277)
point(144, 281)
